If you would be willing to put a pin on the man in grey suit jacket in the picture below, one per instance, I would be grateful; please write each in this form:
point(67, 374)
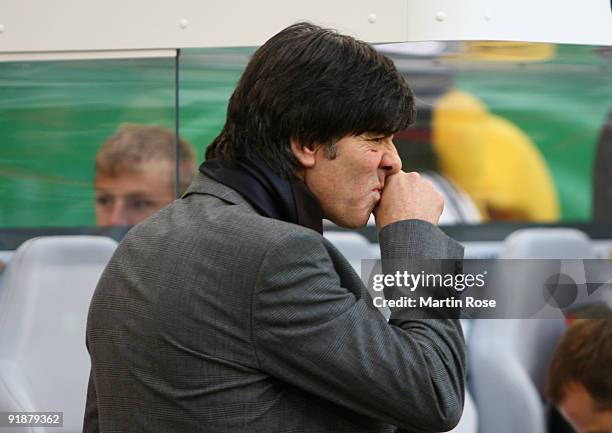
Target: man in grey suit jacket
point(228, 311)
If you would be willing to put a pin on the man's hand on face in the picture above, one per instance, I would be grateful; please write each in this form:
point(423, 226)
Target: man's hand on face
point(407, 196)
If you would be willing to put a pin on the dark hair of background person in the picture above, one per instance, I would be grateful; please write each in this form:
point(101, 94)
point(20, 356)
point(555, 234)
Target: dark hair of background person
point(314, 86)
point(584, 356)
point(134, 144)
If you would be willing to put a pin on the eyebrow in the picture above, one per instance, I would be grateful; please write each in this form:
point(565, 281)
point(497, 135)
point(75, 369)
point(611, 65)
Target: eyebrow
point(142, 196)
point(374, 134)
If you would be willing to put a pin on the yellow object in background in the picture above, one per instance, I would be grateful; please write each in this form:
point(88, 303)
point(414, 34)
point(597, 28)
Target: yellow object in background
point(493, 160)
point(506, 51)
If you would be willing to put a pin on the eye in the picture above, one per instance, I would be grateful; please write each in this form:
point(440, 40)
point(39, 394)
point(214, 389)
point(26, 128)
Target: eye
point(139, 204)
point(104, 200)
point(381, 139)
point(376, 143)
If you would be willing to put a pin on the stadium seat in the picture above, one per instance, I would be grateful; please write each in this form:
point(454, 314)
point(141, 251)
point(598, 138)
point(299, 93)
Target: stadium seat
point(44, 364)
point(547, 243)
point(508, 358)
point(570, 247)
point(354, 247)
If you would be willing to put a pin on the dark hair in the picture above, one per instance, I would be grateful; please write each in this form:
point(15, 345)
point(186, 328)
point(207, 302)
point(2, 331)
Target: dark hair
point(584, 356)
point(314, 86)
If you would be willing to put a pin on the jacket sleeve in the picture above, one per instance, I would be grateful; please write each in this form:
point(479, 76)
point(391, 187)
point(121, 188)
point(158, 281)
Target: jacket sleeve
point(311, 332)
point(90, 423)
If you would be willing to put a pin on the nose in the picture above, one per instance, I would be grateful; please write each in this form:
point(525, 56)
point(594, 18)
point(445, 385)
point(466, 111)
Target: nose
point(118, 215)
point(391, 163)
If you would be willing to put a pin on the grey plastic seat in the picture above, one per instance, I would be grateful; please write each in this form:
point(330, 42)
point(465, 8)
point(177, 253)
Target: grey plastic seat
point(568, 245)
point(547, 243)
point(354, 247)
point(508, 358)
point(44, 364)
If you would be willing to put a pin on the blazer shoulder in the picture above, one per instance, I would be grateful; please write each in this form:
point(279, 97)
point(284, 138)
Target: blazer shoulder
point(277, 232)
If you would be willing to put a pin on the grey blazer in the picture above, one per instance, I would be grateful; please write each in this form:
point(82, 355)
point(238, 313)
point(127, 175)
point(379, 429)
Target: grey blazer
point(212, 318)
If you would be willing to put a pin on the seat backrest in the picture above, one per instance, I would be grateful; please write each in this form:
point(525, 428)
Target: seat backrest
point(44, 364)
point(506, 398)
point(509, 358)
point(547, 243)
point(531, 258)
point(354, 247)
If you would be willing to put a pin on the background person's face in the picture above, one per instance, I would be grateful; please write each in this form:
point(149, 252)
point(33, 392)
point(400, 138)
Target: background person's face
point(135, 194)
point(580, 410)
point(350, 185)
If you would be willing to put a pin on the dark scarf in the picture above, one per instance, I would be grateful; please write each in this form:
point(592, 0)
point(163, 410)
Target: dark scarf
point(270, 195)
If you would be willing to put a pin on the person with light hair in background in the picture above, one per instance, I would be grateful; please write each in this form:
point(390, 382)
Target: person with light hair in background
point(135, 173)
point(580, 376)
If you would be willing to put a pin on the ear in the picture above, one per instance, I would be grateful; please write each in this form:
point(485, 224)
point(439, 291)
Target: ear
point(304, 154)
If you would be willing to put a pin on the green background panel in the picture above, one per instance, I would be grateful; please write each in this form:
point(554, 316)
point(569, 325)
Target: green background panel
point(562, 105)
point(54, 116)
